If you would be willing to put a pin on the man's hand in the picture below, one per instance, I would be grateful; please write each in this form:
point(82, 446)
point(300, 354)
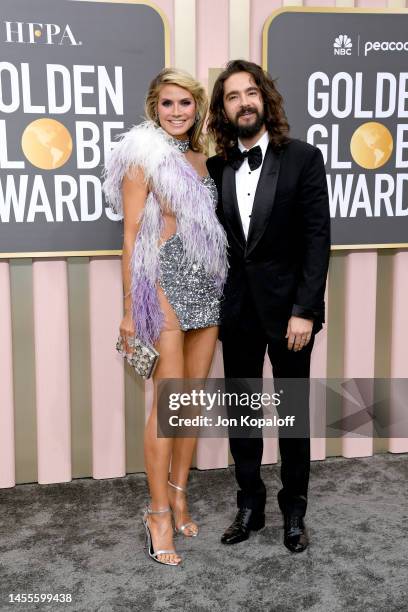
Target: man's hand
point(298, 333)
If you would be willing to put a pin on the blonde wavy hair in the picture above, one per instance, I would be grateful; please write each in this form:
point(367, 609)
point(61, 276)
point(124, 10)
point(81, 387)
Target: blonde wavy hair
point(174, 76)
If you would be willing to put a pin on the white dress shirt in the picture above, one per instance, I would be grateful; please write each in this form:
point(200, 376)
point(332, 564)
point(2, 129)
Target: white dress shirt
point(246, 181)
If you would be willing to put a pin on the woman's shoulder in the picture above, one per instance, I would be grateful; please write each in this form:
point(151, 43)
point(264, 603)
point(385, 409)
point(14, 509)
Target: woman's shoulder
point(142, 140)
point(143, 145)
point(137, 155)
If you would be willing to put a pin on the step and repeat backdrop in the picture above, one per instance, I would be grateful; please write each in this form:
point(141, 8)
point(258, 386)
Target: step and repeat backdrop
point(68, 89)
point(345, 83)
point(73, 75)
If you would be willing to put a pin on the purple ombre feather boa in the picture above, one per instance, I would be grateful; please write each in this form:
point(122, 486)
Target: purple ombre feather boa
point(174, 182)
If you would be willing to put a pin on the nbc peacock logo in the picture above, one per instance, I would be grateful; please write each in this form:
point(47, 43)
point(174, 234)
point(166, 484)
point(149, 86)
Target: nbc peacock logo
point(342, 45)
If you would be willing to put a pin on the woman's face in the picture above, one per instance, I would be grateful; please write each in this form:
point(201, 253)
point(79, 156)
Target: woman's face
point(176, 108)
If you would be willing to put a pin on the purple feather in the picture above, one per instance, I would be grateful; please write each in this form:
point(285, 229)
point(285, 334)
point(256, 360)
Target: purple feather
point(177, 187)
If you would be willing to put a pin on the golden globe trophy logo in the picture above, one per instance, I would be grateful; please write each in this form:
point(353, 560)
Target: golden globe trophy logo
point(344, 80)
point(67, 90)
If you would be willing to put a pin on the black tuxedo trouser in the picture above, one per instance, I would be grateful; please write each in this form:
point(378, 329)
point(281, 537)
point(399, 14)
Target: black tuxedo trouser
point(244, 348)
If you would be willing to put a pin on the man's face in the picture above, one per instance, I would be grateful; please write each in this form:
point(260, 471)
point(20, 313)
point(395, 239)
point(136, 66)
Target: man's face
point(243, 104)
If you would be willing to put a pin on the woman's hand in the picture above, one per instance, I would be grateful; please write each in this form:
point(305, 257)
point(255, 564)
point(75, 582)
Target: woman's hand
point(127, 330)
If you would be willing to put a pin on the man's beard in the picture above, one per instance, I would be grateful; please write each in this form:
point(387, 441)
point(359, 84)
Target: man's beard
point(248, 131)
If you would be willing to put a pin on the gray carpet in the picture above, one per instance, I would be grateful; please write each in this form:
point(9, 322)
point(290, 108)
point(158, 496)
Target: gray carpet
point(86, 538)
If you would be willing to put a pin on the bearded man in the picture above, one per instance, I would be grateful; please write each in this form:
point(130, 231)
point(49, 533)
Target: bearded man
point(273, 204)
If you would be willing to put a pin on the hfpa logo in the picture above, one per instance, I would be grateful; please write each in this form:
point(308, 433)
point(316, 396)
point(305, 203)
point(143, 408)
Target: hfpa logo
point(45, 33)
point(342, 45)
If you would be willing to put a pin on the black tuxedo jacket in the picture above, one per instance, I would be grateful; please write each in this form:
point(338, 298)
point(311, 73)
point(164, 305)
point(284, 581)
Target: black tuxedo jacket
point(283, 264)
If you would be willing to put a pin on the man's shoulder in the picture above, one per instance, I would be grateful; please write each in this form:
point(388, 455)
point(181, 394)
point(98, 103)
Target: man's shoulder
point(215, 161)
point(216, 165)
point(301, 149)
point(300, 146)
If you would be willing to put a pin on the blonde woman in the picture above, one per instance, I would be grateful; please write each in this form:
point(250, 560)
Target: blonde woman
point(174, 267)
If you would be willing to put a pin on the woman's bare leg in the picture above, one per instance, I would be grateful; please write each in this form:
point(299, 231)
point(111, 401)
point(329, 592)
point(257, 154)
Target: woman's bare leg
point(199, 346)
point(157, 451)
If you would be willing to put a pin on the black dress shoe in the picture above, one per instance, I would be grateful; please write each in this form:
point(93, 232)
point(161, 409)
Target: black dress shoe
point(245, 521)
point(295, 536)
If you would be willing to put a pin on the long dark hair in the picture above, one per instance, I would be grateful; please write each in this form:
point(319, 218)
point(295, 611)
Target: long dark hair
point(276, 123)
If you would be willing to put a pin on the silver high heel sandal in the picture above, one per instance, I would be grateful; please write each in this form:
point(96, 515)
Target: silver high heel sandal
point(149, 541)
point(183, 527)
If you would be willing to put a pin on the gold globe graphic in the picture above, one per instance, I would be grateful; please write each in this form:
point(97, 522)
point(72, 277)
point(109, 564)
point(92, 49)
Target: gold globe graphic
point(47, 144)
point(371, 145)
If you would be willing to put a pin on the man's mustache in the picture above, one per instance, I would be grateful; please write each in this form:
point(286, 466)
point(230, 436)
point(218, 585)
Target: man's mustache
point(248, 109)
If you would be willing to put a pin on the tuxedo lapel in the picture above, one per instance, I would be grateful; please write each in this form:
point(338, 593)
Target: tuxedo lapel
point(230, 205)
point(264, 198)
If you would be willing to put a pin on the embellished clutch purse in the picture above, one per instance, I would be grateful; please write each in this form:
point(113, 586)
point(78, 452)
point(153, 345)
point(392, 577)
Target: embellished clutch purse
point(143, 357)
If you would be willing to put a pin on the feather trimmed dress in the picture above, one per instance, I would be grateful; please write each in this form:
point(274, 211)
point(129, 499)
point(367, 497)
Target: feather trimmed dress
point(179, 260)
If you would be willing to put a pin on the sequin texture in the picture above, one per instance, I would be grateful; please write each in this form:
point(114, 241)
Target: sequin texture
point(190, 290)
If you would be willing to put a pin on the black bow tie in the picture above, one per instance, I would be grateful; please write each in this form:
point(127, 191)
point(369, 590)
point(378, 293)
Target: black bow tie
point(254, 156)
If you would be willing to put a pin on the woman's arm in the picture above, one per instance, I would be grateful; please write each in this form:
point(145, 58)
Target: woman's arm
point(134, 194)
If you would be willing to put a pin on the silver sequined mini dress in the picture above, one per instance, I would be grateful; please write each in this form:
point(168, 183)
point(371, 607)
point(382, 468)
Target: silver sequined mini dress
point(188, 295)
